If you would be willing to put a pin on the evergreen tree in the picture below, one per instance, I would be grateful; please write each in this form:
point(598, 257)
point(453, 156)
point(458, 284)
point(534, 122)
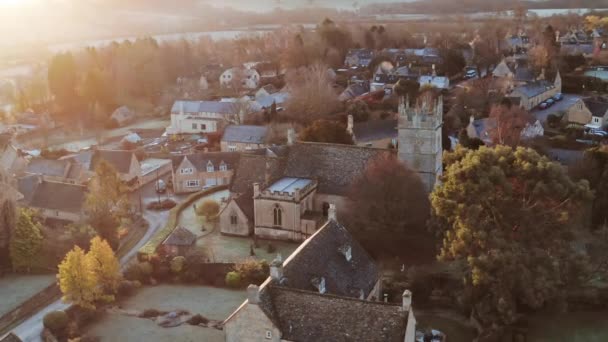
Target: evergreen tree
point(26, 241)
point(77, 280)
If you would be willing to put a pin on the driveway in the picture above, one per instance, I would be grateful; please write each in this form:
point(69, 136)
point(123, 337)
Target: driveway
point(560, 106)
point(30, 329)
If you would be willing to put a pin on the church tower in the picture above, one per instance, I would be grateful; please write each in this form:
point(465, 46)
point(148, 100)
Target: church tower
point(420, 139)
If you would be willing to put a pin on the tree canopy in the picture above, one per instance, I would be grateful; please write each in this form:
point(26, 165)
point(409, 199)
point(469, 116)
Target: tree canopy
point(509, 215)
point(26, 241)
point(326, 131)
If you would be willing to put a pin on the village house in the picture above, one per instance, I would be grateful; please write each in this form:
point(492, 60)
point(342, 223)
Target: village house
point(359, 58)
point(243, 138)
point(125, 163)
point(63, 170)
point(178, 243)
point(485, 129)
point(153, 169)
point(374, 133)
point(534, 93)
point(570, 109)
point(193, 117)
point(54, 200)
point(200, 171)
point(328, 289)
point(599, 113)
point(123, 116)
point(240, 77)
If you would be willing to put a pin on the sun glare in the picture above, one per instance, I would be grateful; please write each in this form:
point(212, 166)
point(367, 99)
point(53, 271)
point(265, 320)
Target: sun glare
point(16, 3)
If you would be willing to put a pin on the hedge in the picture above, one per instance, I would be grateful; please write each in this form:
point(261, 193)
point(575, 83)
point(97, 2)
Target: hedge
point(151, 246)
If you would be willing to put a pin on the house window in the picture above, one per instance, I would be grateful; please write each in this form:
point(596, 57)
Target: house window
point(192, 183)
point(203, 127)
point(278, 216)
point(325, 209)
point(194, 126)
point(210, 167)
point(57, 213)
point(268, 334)
point(231, 148)
point(187, 171)
point(233, 219)
point(223, 167)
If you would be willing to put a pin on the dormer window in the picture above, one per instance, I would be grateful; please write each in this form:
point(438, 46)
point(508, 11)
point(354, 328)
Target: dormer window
point(223, 167)
point(210, 167)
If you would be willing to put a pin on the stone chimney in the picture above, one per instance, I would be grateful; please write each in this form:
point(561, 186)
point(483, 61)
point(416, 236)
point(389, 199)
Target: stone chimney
point(291, 136)
point(296, 194)
point(471, 119)
point(319, 284)
point(407, 300)
point(256, 189)
point(331, 213)
point(253, 294)
point(350, 124)
point(276, 268)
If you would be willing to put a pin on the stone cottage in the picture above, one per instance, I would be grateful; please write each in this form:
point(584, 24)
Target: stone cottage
point(326, 290)
point(54, 200)
point(200, 171)
point(243, 138)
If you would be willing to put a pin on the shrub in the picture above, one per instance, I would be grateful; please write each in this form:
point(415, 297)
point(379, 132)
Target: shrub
point(177, 264)
point(152, 313)
point(165, 204)
point(233, 279)
point(139, 271)
point(208, 208)
point(252, 271)
point(197, 320)
point(359, 110)
point(56, 322)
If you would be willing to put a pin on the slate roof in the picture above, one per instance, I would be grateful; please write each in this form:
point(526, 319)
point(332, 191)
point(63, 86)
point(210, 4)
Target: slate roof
point(596, 107)
point(59, 196)
point(334, 166)
point(120, 160)
point(524, 74)
point(245, 202)
point(245, 134)
point(375, 130)
point(180, 237)
point(200, 160)
point(484, 128)
point(48, 167)
point(353, 91)
point(27, 186)
point(192, 107)
point(535, 88)
point(307, 316)
point(252, 169)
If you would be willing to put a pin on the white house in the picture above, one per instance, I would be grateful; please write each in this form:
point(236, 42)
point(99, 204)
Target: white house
point(192, 117)
point(240, 77)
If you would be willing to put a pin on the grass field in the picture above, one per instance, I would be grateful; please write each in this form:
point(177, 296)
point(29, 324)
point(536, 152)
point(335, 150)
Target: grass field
point(569, 327)
point(213, 303)
point(221, 248)
point(454, 330)
point(15, 289)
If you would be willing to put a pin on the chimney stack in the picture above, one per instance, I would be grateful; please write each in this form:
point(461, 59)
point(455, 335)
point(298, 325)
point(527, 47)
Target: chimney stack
point(276, 268)
point(331, 213)
point(407, 300)
point(253, 294)
point(291, 136)
point(350, 124)
point(256, 190)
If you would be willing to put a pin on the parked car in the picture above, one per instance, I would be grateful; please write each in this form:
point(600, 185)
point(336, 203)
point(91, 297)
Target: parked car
point(470, 73)
point(550, 102)
point(558, 97)
point(543, 105)
point(161, 186)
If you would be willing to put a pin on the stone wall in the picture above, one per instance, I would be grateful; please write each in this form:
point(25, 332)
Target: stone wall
point(242, 228)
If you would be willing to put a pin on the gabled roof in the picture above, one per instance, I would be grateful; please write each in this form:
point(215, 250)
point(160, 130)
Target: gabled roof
point(119, 159)
point(352, 91)
point(245, 134)
point(524, 74)
point(48, 167)
point(596, 107)
point(535, 88)
point(307, 316)
point(253, 168)
point(59, 196)
point(201, 160)
point(502, 70)
point(375, 130)
point(245, 202)
point(180, 237)
point(334, 166)
point(27, 186)
point(192, 107)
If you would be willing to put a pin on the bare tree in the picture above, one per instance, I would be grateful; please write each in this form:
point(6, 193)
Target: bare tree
point(510, 121)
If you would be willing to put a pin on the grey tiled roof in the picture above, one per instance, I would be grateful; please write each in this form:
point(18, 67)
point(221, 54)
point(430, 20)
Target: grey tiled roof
point(253, 168)
point(307, 316)
point(120, 160)
point(27, 186)
point(375, 130)
point(535, 88)
point(596, 107)
point(334, 166)
point(204, 106)
point(200, 160)
point(180, 237)
point(245, 202)
point(59, 196)
point(245, 134)
point(524, 74)
point(49, 167)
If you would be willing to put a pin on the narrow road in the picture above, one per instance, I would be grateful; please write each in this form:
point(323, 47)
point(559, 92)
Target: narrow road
point(30, 329)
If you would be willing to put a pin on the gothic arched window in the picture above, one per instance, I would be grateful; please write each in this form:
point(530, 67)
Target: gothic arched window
point(278, 216)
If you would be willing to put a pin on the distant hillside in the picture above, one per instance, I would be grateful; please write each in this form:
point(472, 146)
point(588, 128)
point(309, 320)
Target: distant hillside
point(472, 6)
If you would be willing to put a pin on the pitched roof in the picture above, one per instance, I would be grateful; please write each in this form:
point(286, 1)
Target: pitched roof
point(535, 88)
point(253, 167)
point(352, 91)
point(48, 167)
point(307, 316)
point(375, 130)
point(484, 128)
point(245, 202)
point(596, 107)
point(201, 160)
point(502, 70)
point(120, 160)
point(59, 196)
point(191, 107)
point(524, 74)
point(334, 166)
point(27, 186)
point(245, 134)
point(180, 237)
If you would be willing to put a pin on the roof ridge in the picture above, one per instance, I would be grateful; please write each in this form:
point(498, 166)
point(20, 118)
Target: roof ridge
point(330, 295)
